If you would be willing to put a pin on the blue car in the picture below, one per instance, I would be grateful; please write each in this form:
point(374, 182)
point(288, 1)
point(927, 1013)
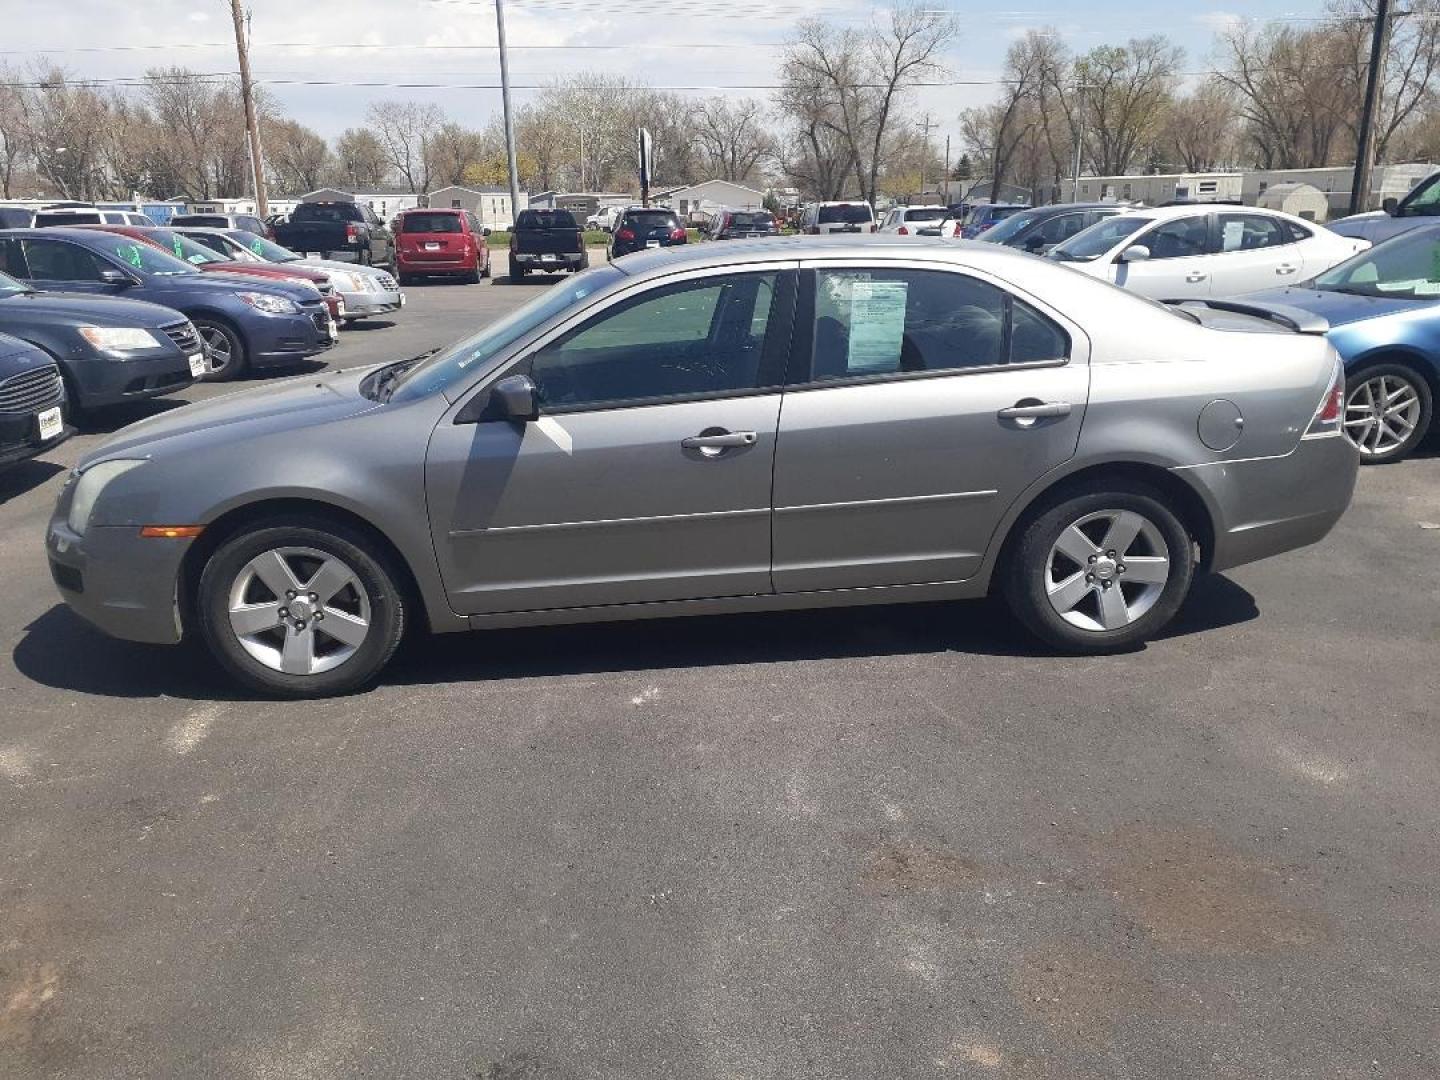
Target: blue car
point(1416, 210)
point(245, 322)
point(1382, 307)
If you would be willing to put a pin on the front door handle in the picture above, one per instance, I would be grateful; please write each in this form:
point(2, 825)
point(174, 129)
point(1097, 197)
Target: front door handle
point(1286, 268)
point(1037, 411)
point(1194, 276)
point(716, 442)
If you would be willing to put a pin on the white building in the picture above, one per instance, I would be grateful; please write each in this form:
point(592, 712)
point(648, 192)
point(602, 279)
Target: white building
point(489, 203)
point(709, 197)
point(385, 201)
point(1386, 181)
point(241, 206)
point(1156, 189)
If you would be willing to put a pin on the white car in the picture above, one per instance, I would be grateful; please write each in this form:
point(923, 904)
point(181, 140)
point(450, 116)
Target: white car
point(913, 220)
point(1199, 250)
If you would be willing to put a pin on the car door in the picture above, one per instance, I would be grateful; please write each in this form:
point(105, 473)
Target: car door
point(925, 401)
point(61, 266)
point(647, 475)
point(1179, 264)
point(1253, 252)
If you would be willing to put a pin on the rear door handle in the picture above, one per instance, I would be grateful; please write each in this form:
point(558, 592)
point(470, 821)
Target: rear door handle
point(721, 440)
point(1286, 268)
point(1194, 276)
point(1036, 411)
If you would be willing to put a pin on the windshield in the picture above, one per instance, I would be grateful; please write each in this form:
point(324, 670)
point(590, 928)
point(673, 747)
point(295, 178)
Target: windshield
point(430, 223)
point(1011, 227)
point(8, 286)
point(1089, 244)
point(1406, 268)
point(847, 213)
point(141, 257)
point(449, 366)
point(265, 250)
point(182, 247)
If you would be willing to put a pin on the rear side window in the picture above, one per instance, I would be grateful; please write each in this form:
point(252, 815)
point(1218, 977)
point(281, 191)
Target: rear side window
point(895, 322)
point(55, 260)
point(430, 223)
point(1247, 232)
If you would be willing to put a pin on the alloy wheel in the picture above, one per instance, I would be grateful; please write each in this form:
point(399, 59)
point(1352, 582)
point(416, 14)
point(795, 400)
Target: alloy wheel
point(218, 354)
point(298, 610)
point(1106, 570)
point(1381, 414)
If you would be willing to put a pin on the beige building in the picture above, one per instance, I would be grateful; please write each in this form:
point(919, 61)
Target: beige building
point(488, 203)
point(1155, 189)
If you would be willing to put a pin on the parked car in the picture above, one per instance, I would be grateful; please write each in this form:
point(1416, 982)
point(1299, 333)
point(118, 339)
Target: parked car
point(367, 291)
point(595, 221)
point(1183, 252)
point(248, 222)
point(16, 217)
point(245, 324)
point(212, 262)
point(979, 218)
point(50, 216)
point(1420, 207)
point(32, 402)
point(443, 241)
point(956, 421)
point(913, 220)
point(743, 225)
point(1382, 310)
point(1040, 229)
point(837, 217)
point(109, 350)
point(643, 227)
point(546, 240)
point(347, 229)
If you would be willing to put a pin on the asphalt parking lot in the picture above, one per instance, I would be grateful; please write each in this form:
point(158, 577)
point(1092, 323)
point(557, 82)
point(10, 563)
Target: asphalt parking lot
point(885, 842)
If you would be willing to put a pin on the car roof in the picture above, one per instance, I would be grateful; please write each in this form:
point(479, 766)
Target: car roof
point(922, 206)
point(74, 232)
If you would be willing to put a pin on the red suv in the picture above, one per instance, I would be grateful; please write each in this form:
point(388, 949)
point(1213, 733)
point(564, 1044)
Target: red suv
point(440, 241)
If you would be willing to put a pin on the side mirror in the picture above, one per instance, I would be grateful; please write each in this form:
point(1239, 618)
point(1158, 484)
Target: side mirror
point(1035, 243)
point(1135, 253)
point(512, 398)
point(1391, 205)
point(111, 276)
point(485, 231)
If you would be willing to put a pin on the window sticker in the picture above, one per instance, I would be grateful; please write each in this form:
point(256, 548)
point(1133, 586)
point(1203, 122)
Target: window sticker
point(131, 254)
point(877, 325)
point(1234, 235)
point(175, 244)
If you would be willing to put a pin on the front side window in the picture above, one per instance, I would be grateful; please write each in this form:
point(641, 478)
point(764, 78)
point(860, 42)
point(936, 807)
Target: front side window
point(55, 260)
point(1089, 244)
point(1425, 201)
point(1178, 239)
point(1407, 268)
point(696, 337)
point(1061, 227)
point(1247, 232)
point(894, 322)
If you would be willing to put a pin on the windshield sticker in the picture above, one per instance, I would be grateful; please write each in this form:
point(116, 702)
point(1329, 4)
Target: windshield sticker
point(1427, 288)
point(1435, 260)
point(175, 243)
point(877, 325)
point(255, 246)
point(131, 254)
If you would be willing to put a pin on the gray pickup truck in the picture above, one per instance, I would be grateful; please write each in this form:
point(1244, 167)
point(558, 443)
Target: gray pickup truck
point(547, 241)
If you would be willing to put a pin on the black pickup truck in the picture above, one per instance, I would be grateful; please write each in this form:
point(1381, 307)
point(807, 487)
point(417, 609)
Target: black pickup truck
point(546, 240)
point(338, 229)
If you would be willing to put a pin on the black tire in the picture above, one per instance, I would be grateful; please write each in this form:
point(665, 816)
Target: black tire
point(404, 279)
point(352, 546)
point(364, 257)
point(517, 272)
point(485, 270)
point(225, 365)
point(1031, 562)
point(473, 275)
point(1355, 384)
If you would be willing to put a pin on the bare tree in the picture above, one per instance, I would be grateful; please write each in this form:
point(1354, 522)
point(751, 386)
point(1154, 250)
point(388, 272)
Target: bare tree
point(404, 129)
point(299, 157)
point(732, 138)
point(360, 158)
point(1128, 89)
point(1200, 129)
point(64, 124)
point(14, 150)
point(455, 152)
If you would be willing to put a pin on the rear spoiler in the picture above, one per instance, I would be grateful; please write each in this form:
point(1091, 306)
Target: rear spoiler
point(1291, 318)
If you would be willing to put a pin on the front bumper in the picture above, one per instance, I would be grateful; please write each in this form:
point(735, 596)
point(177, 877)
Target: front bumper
point(283, 339)
point(103, 380)
point(359, 305)
point(1266, 506)
point(115, 580)
point(19, 441)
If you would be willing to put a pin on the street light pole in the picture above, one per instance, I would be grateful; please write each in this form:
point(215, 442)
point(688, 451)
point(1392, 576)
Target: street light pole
point(1365, 152)
point(247, 95)
point(509, 117)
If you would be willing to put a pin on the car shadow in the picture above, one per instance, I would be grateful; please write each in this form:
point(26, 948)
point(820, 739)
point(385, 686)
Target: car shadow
point(26, 476)
point(365, 326)
point(528, 279)
point(112, 418)
point(45, 654)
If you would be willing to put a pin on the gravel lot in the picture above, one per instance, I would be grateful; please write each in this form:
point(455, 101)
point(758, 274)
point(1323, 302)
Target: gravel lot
point(878, 843)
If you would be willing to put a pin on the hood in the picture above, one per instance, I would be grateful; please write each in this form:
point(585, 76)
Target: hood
point(1335, 308)
point(1376, 226)
point(231, 283)
point(303, 402)
point(84, 309)
point(17, 355)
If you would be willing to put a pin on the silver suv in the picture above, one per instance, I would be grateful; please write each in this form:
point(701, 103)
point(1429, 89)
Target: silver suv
point(779, 424)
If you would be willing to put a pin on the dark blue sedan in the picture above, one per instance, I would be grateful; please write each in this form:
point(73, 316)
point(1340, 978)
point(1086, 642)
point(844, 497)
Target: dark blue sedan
point(245, 322)
point(1383, 309)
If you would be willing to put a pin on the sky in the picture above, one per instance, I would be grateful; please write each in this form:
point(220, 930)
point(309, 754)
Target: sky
point(730, 47)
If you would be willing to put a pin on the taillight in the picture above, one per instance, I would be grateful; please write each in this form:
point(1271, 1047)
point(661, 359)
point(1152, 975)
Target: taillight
point(873, 226)
point(903, 231)
point(957, 230)
point(677, 234)
point(625, 234)
point(352, 233)
point(1331, 410)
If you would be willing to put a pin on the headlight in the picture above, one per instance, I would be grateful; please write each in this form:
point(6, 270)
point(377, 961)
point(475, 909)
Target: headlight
point(121, 338)
point(269, 303)
point(92, 483)
point(348, 282)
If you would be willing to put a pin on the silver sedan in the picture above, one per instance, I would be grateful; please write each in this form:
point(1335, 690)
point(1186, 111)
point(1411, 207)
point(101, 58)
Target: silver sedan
point(739, 427)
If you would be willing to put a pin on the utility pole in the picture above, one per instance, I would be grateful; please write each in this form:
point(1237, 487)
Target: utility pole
point(946, 181)
point(247, 95)
point(509, 118)
point(1080, 89)
point(1365, 152)
point(926, 126)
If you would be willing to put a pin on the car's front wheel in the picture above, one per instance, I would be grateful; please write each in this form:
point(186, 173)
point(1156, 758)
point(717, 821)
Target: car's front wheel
point(1100, 571)
point(1387, 412)
point(301, 609)
point(225, 356)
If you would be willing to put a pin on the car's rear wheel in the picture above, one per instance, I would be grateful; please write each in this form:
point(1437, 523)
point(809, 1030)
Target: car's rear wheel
point(516, 271)
point(472, 276)
point(485, 270)
point(1100, 571)
point(302, 609)
point(225, 356)
point(1387, 412)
